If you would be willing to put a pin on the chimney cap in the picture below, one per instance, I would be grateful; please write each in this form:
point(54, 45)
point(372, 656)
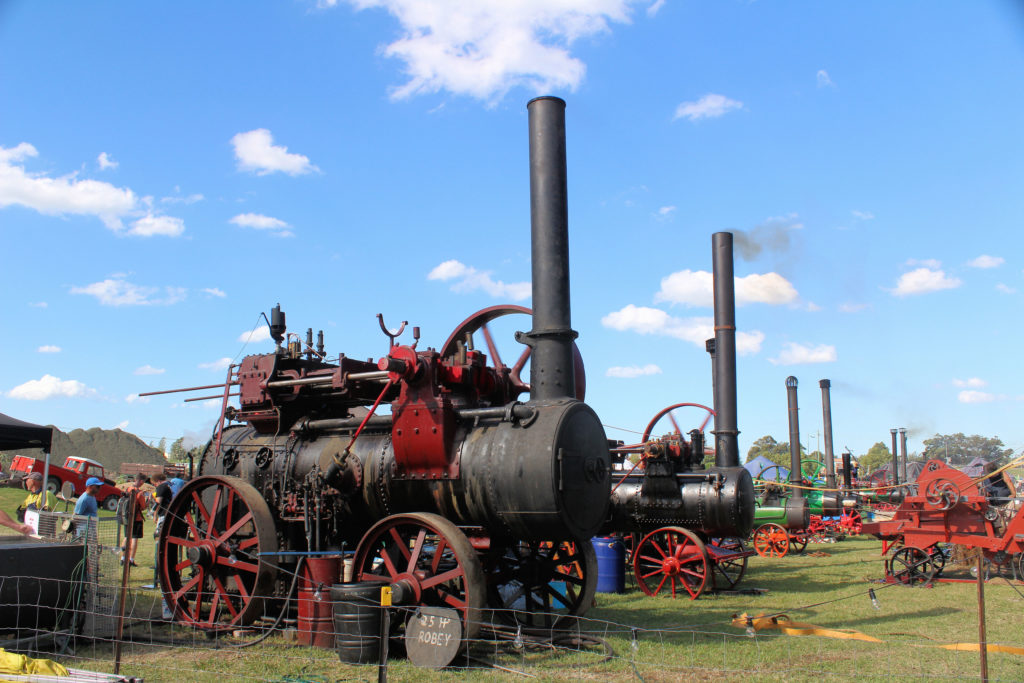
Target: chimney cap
point(791, 381)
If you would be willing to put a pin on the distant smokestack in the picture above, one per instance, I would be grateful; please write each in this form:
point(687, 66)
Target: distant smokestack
point(903, 454)
point(551, 364)
point(895, 459)
point(727, 448)
point(847, 470)
point(794, 436)
point(826, 409)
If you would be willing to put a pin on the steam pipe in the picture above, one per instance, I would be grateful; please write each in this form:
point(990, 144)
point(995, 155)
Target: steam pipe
point(826, 409)
point(551, 364)
point(847, 470)
point(895, 459)
point(903, 454)
point(727, 450)
point(794, 436)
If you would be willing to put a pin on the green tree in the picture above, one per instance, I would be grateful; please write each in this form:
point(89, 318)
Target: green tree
point(767, 446)
point(178, 449)
point(162, 446)
point(876, 456)
point(958, 449)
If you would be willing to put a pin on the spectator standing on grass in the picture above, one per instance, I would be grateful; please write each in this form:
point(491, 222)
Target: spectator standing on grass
point(175, 483)
point(135, 533)
point(38, 498)
point(87, 505)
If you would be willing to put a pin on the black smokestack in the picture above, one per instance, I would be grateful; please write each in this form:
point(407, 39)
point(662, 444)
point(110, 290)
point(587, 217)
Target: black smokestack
point(727, 449)
point(794, 436)
point(903, 454)
point(895, 459)
point(847, 470)
point(551, 364)
point(826, 409)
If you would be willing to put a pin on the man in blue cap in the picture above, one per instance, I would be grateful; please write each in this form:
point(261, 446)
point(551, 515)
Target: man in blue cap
point(86, 505)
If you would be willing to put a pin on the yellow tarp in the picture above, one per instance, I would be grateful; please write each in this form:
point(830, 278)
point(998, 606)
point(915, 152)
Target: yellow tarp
point(24, 665)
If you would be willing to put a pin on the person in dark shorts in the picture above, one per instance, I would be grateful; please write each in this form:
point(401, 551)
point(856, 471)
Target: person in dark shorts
point(139, 518)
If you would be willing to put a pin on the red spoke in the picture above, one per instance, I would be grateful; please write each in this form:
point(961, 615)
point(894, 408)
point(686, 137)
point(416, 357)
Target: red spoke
point(442, 578)
point(240, 587)
point(692, 592)
point(182, 541)
point(376, 577)
point(213, 511)
point(192, 526)
point(223, 594)
point(452, 600)
point(188, 586)
point(491, 348)
point(674, 587)
point(652, 542)
point(400, 543)
point(238, 564)
point(658, 589)
point(238, 525)
point(388, 564)
point(181, 565)
point(654, 560)
point(435, 562)
point(417, 548)
point(521, 362)
point(672, 419)
point(647, 576)
point(229, 508)
point(213, 606)
point(202, 513)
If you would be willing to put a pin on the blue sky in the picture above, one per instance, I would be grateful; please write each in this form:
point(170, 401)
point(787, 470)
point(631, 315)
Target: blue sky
point(169, 170)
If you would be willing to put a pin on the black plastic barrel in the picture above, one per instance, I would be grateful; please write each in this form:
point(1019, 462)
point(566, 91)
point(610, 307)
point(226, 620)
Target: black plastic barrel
point(357, 616)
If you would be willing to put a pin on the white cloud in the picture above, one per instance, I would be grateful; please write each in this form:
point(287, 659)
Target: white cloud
point(631, 371)
point(149, 370)
point(986, 261)
point(38, 304)
point(708, 107)
point(105, 161)
point(853, 308)
point(256, 152)
point(824, 80)
point(644, 320)
point(135, 398)
point(972, 396)
point(219, 364)
point(666, 211)
point(122, 425)
point(924, 280)
point(973, 383)
point(68, 195)
point(863, 215)
point(260, 334)
point(151, 225)
point(214, 291)
point(484, 48)
point(48, 387)
point(932, 263)
point(696, 288)
point(120, 292)
point(188, 199)
point(654, 7)
point(261, 222)
point(1005, 289)
point(800, 354)
point(469, 279)
point(48, 348)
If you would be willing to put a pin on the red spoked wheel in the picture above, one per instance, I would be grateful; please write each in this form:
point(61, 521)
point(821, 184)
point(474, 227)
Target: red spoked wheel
point(211, 564)
point(798, 541)
point(427, 561)
point(911, 566)
point(540, 584)
point(463, 335)
point(671, 559)
point(851, 522)
point(771, 540)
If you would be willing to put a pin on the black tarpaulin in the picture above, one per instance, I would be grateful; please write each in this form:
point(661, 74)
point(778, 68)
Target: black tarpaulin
point(16, 434)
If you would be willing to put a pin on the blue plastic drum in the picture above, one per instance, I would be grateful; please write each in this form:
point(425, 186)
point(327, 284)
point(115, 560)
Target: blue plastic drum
point(611, 564)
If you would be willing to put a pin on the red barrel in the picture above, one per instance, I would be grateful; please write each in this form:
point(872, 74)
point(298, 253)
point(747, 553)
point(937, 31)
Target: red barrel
point(316, 611)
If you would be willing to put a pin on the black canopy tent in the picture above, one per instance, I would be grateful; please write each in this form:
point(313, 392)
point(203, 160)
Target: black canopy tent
point(16, 434)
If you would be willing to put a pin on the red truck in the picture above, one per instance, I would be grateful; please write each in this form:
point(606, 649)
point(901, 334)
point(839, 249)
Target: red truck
point(75, 470)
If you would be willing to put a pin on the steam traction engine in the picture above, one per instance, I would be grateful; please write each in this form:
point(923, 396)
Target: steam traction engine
point(461, 497)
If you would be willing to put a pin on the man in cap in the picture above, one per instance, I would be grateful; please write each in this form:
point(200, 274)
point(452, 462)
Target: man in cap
point(38, 498)
point(87, 505)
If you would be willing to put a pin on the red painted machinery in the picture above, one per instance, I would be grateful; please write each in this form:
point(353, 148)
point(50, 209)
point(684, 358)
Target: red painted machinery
point(949, 507)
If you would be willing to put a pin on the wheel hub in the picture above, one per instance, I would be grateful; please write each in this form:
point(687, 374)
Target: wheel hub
point(670, 566)
point(203, 554)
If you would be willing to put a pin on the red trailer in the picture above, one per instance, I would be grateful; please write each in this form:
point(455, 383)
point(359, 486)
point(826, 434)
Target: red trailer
point(951, 507)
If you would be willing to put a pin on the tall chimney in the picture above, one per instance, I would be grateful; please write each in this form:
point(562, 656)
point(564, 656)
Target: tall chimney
point(903, 454)
point(551, 364)
point(727, 448)
point(895, 459)
point(794, 436)
point(826, 409)
point(847, 470)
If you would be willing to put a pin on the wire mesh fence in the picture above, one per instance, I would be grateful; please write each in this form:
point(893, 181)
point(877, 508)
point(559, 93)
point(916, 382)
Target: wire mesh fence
point(622, 637)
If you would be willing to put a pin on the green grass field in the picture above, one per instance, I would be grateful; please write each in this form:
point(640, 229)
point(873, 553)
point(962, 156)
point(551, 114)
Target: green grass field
point(676, 639)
